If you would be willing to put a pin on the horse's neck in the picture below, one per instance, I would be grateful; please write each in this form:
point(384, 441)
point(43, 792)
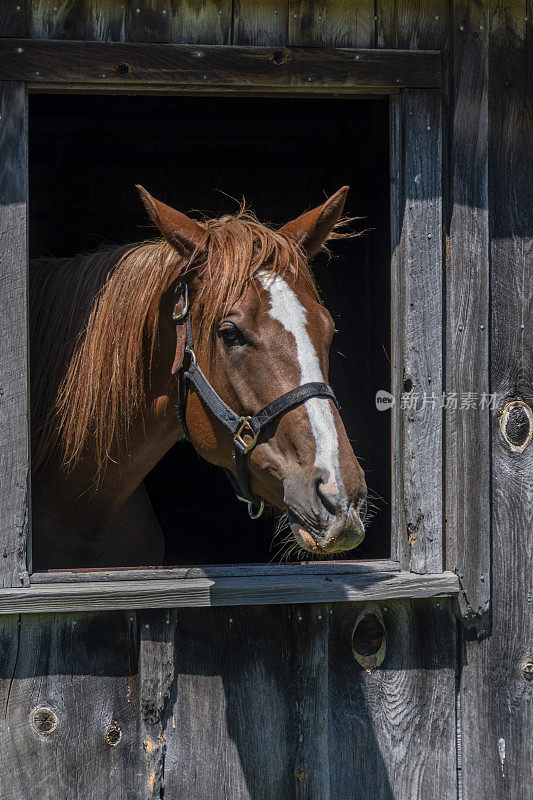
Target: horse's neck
point(98, 501)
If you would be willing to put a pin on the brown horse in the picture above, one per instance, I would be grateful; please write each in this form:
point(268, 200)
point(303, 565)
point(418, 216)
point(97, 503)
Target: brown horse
point(104, 352)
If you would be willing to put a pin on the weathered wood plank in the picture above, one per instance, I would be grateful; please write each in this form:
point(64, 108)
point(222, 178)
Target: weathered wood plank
point(496, 696)
point(14, 429)
point(200, 21)
point(97, 62)
point(13, 18)
point(260, 23)
point(408, 25)
point(331, 23)
point(392, 731)
point(417, 336)
point(230, 728)
point(147, 21)
point(80, 671)
point(157, 675)
point(77, 19)
point(216, 571)
point(467, 304)
point(262, 590)
point(309, 642)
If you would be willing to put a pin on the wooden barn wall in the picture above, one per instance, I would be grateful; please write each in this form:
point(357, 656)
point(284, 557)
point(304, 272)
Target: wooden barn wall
point(268, 702)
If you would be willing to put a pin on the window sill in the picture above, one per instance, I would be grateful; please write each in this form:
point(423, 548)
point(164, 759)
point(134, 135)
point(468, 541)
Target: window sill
point(293, 584)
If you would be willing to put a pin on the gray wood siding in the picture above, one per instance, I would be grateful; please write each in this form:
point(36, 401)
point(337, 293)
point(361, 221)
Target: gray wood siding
point(496, 696)
point(14, 420)
point(243, 703)
point(269, 705)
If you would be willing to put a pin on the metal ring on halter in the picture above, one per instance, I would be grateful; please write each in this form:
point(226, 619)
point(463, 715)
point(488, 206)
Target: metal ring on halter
point(251, 513)
point(256, 514)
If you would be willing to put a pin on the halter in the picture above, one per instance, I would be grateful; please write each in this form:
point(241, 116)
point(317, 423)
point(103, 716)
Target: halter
point(245, 430)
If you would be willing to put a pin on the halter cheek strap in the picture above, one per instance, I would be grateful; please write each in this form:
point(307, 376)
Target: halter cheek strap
point(245, 430)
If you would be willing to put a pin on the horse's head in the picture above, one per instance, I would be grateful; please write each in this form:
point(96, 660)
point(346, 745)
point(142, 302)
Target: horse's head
point(260, 330)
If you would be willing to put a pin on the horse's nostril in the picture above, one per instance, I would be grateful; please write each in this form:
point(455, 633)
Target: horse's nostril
point(328, 500)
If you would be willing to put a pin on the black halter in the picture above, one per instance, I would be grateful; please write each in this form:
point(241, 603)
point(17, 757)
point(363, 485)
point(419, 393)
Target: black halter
point(245, 430)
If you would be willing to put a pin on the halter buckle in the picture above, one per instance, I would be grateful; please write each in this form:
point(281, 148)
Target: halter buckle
point(245, 429)
point(181, 290)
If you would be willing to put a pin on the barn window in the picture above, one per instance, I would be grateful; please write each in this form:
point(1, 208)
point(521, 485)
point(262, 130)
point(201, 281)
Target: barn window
point(378, 130)
point(85, 156)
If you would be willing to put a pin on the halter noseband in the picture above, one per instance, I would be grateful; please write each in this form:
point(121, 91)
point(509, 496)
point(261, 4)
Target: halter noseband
point(245, 430)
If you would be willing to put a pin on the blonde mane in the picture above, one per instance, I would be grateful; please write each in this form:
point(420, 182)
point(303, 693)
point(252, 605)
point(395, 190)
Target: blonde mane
point(94, 322)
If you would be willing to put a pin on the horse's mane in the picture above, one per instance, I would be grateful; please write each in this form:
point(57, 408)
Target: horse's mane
point(94, 321)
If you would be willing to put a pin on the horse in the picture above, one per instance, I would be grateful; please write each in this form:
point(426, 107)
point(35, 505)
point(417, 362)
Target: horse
point(110, 332)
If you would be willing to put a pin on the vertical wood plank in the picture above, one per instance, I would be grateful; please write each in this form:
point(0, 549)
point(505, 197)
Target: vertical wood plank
point(258, 23)
point(331, 23)
point(77, 19)
point(157, 630)
point(230, 728)
point(147, 21)
point(392, 731)
point(14, 428)
point(467, 303)
point(80, 670)
point(407, 25)
point(13, 18)
point(309, 661)
point(200, 21)
point(496, 697)
point(417, 337)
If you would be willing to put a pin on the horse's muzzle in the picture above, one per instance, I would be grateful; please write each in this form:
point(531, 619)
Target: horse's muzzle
point(327, 523)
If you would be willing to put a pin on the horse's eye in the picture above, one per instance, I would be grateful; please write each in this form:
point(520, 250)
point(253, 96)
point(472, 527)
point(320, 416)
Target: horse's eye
point(231, 335)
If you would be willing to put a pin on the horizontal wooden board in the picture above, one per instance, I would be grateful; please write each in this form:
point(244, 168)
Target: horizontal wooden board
point(134, 64)
point(261, 590)
point(216, 571)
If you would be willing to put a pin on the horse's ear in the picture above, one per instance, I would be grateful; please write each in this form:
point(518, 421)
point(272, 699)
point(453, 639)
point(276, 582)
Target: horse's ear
point(182, 232)
point(312, 229)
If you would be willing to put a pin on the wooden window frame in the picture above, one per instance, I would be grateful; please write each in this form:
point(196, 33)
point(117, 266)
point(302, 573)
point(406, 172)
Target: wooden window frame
point(412, 80)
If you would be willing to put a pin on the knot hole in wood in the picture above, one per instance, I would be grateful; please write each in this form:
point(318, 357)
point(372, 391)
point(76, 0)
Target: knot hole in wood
point(44, 720)
point(369, 638)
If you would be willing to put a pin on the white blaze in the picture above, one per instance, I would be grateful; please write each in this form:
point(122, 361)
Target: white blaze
point(287, 309)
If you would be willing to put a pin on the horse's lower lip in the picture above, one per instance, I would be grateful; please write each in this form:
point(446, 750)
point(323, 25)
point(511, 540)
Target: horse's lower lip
point(307, 538)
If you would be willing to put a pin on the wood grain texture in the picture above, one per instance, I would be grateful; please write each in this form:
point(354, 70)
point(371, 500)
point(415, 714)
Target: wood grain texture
point(84, 669)
point(231, 726)
point(147, 21)
point(331, 23)
point(309, 667)
point(217, 571)
point(200, 21)
point(77, 19)
point(413, 26)
point(392, 731)
point(260, 23)
point(262, 590)
point(14, 428)
point(157, 672)
point(496, 698)
point(417, 334)
point(13, 18)
point(467, 303)
point(96, 62)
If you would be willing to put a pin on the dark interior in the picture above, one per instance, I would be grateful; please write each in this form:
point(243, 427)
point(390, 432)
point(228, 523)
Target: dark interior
point(284, 156)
